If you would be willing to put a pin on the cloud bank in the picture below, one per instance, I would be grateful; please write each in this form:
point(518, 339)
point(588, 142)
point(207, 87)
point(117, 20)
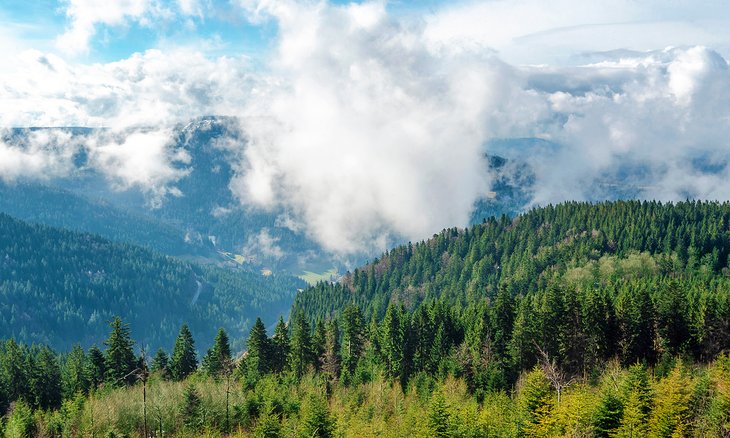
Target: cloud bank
point(367, 127)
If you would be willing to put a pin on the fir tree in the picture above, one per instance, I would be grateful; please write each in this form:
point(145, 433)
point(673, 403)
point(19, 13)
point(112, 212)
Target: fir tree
point(184, 360)
point(439, 418)
point(96, 367)
point(190, 408)
point(301, 355)
point(160, 363)
point(75, 374)
point(218, 357)
point(352, 339)
point(280, 347)
point(120, 360)
point(258, 360)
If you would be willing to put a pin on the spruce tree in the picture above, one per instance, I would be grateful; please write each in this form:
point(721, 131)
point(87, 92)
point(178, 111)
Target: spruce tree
point(45, 380)
point(120, 359)
point(190, 408)
point(352, 339)
point(184, 360)
point(330, 359)
point(161, 363)
point(301, 355)
point(439, 418)
point(258, 360)
point(95, 367)
point(218, 356)
point(280, 347)
point(13, 371)
point(75, 375)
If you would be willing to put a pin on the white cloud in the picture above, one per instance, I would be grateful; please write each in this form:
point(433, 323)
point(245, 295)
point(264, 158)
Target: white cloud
point(85, 15)
point(367, 134)
point(539, 32)
point(365, 128)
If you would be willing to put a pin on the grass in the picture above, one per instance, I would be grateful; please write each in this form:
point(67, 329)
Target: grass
point(313, 278)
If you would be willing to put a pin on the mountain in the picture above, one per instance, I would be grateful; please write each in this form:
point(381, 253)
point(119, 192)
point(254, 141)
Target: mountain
point(83, 280)
point(206, 219)
point(582, 282)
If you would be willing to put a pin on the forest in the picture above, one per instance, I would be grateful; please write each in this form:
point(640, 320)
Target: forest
point(608, 319)
point(84, 281)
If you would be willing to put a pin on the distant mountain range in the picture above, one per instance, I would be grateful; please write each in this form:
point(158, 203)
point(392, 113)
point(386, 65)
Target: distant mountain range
point(207, 223)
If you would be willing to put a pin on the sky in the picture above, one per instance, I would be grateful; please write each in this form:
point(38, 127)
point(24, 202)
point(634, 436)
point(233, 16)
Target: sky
point(366, 120)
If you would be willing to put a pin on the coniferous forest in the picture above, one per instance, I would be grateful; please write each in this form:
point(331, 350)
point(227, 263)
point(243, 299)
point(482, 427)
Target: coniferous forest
point(592, 320)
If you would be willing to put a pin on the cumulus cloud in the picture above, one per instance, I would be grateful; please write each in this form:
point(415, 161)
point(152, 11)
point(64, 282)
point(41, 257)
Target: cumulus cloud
point(654, 121)
point(361, 128)
point(85, 15)
point(137, 101)
point(368, 135)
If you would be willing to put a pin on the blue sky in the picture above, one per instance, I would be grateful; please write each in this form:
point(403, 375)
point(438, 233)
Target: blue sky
point(220, 26)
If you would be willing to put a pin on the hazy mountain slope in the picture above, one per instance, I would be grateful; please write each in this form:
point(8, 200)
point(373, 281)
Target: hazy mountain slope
point(60, 208)
point(60, 287)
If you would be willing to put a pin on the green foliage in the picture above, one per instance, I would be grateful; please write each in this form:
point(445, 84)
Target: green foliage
point(20, 423)
point(161, 364)
point(184, 361)
point(84, 281)
point(120, 360)
point(315, 419)
point(301, 352)
point(439, 419)
point(190, 408)
point(217, 360)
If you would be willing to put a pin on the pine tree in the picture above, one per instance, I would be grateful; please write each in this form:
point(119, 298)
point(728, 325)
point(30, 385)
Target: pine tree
point(190, 409)
point(95, 367)
point(637, 401)
point(120, 360)
point(392, 341)
point(161, 363)
point(280, 347)
point(316, 420)
point(184, 360)
point(330, 359)
point(671, 414)
point(45, 380)
point(13, 371)
point(439, 418)
point(75, 375)
point(258, 360)
point(301, 355)
point(607, 417)
point(218, 357)
point(352, 339)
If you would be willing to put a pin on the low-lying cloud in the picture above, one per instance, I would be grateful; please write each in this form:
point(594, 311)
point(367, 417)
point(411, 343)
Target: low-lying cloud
point(367, 128)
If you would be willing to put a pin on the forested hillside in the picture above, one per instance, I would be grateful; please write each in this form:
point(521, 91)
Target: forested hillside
point(577, 283)
point(59, 287)
point(571, 320)
point(60, 208)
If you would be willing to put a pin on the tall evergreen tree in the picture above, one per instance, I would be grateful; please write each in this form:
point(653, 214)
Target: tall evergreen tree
point(120, 359)
point(75, 375)
point(218, 356)
point(258, 360)
point(330, 358)
point(184, 361)
point(161, 363)
point(301, 354)
point(95, 367)
point(352, 339)
point(13, 370)
point(280, 347)
point(45, 380)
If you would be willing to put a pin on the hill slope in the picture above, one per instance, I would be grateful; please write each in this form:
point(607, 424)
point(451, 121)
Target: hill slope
point(59, 287)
